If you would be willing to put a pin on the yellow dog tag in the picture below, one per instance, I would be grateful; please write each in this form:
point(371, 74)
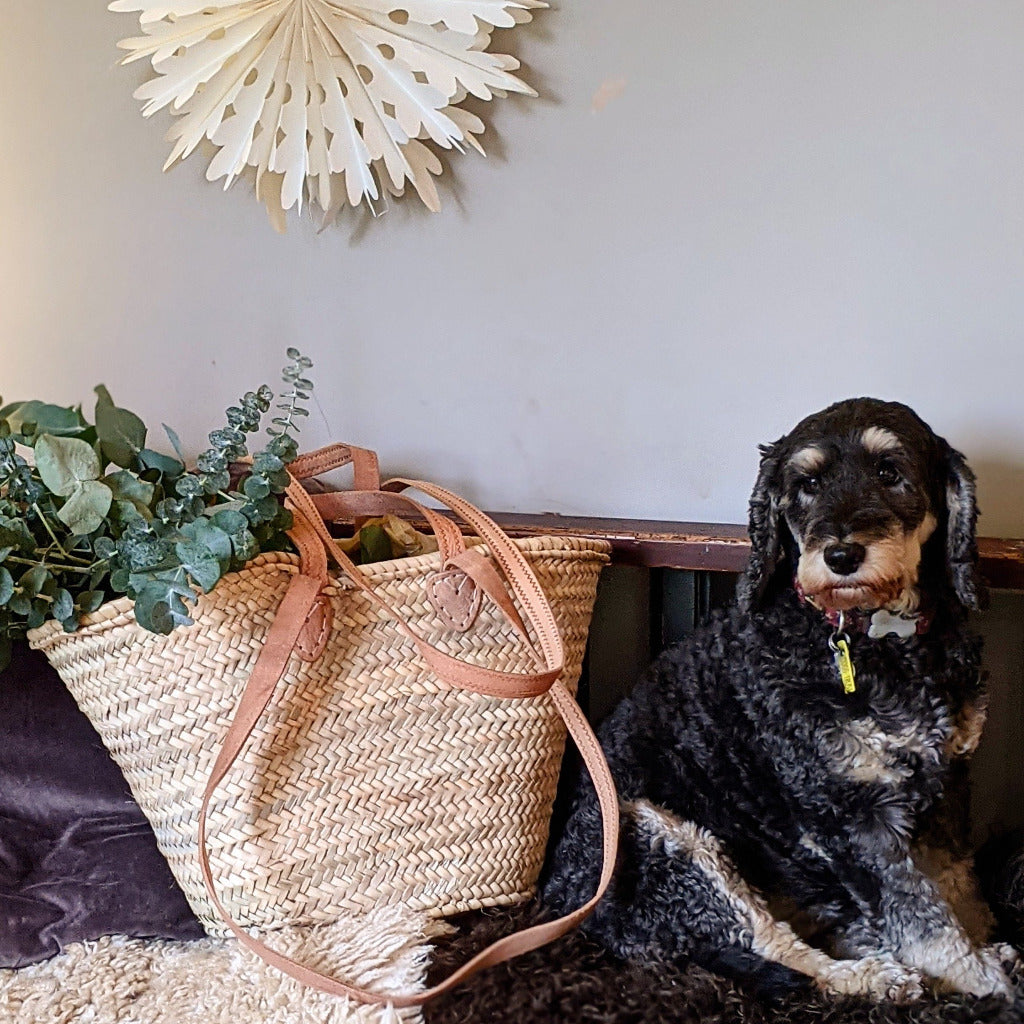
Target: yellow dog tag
point(844, 663)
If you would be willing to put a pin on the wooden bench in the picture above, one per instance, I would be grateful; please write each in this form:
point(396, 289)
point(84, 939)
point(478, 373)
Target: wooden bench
point(715, 547)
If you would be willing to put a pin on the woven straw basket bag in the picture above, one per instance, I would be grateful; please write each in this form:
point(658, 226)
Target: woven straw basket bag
point(317, 744)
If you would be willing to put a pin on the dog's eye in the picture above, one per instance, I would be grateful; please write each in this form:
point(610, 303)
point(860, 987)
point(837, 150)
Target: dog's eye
point(888, 474)
point(809, 485)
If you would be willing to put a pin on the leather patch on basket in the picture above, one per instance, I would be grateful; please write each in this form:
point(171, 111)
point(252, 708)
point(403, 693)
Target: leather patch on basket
point(316, 629)
point(455, 598)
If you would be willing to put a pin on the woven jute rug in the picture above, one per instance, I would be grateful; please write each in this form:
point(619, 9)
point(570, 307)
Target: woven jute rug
point(117, 980)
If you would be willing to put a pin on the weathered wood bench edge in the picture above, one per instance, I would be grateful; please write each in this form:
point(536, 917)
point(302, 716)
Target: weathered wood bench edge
point(714, 547)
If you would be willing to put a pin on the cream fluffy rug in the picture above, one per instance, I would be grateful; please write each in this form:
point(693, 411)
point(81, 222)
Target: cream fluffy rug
point(117, 980)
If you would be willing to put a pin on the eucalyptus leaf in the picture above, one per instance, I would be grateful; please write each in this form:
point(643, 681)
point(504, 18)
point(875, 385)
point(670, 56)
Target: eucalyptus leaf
point(175, 443)
point(123, 513)
point(22, 535)
point(230, 520)
point(104, 547)
point(160, 605)
point(34, 581)
point(6, 585)
point(374, 544)
point(263, 510)
point(256, 487)
point(143, 550)
point(90, 601)
point(211, 462)
point(44, 418)
point(202, 565)
point(15, 536)
point(244, 546)
point(189, 486)
point(121, 433)
point(85, 510)
point(63, 605)
point(205, 535)
point(65, 462)
point(164, 464)
point(217, 482)
point(267, 463)
point(126, 486)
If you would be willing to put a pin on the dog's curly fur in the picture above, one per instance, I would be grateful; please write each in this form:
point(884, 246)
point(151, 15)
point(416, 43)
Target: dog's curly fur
point(746, 772)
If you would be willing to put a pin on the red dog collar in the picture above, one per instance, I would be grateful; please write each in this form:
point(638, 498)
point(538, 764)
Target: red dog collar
point(877, 623)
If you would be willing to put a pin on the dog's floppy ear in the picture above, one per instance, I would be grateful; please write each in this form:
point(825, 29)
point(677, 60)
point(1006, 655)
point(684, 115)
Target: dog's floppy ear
point(763, 528)
point(961, 531)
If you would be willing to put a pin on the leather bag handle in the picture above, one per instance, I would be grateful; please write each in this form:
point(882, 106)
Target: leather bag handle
point(453, 671)
point(335, 506)
point(334, 456)
point(299, 607)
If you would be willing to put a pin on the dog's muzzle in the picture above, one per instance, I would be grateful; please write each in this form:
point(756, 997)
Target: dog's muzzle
point(848, 574)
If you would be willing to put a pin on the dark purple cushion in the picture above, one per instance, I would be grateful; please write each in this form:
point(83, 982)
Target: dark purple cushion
point(78, 859)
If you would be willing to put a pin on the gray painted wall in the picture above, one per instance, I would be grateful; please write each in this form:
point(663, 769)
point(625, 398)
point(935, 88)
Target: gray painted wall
point(790, 202)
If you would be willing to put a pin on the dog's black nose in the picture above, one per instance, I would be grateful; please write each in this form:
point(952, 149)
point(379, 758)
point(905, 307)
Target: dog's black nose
point(844, 559)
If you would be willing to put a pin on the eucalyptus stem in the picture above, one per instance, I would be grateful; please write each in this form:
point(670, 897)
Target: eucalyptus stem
point(84, 570)
point(60, 547)
point(70, 556)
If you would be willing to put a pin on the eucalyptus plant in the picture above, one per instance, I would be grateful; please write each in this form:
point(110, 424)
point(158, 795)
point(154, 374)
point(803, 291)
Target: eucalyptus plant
point(89, 512)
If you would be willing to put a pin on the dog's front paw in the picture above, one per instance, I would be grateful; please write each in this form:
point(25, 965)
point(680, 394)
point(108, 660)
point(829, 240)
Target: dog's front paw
point(1008, 957)
point(876, 977)
point(983, 973)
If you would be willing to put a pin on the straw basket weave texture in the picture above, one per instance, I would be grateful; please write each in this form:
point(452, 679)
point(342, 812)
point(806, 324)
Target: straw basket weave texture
point(366, 781)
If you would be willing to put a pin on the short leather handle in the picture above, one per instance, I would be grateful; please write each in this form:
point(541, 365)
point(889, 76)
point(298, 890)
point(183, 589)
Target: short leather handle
point(457, 673)
point(334, 456)
point(335, 506)
point(510, 559)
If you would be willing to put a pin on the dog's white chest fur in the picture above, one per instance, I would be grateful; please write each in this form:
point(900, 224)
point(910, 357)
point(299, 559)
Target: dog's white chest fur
point(864, 751)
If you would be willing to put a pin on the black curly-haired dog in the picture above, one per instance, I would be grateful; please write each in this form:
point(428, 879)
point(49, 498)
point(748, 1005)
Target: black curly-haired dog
point(748, 767)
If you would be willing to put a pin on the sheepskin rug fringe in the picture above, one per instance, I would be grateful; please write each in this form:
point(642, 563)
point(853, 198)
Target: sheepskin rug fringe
point(116, 980)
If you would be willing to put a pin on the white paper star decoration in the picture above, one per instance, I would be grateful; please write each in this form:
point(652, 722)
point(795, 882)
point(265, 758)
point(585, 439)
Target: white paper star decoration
point(328, 100)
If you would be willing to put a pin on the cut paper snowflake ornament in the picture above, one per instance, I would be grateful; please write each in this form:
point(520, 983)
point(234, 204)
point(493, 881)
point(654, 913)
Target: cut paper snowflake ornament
point(328, 101)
